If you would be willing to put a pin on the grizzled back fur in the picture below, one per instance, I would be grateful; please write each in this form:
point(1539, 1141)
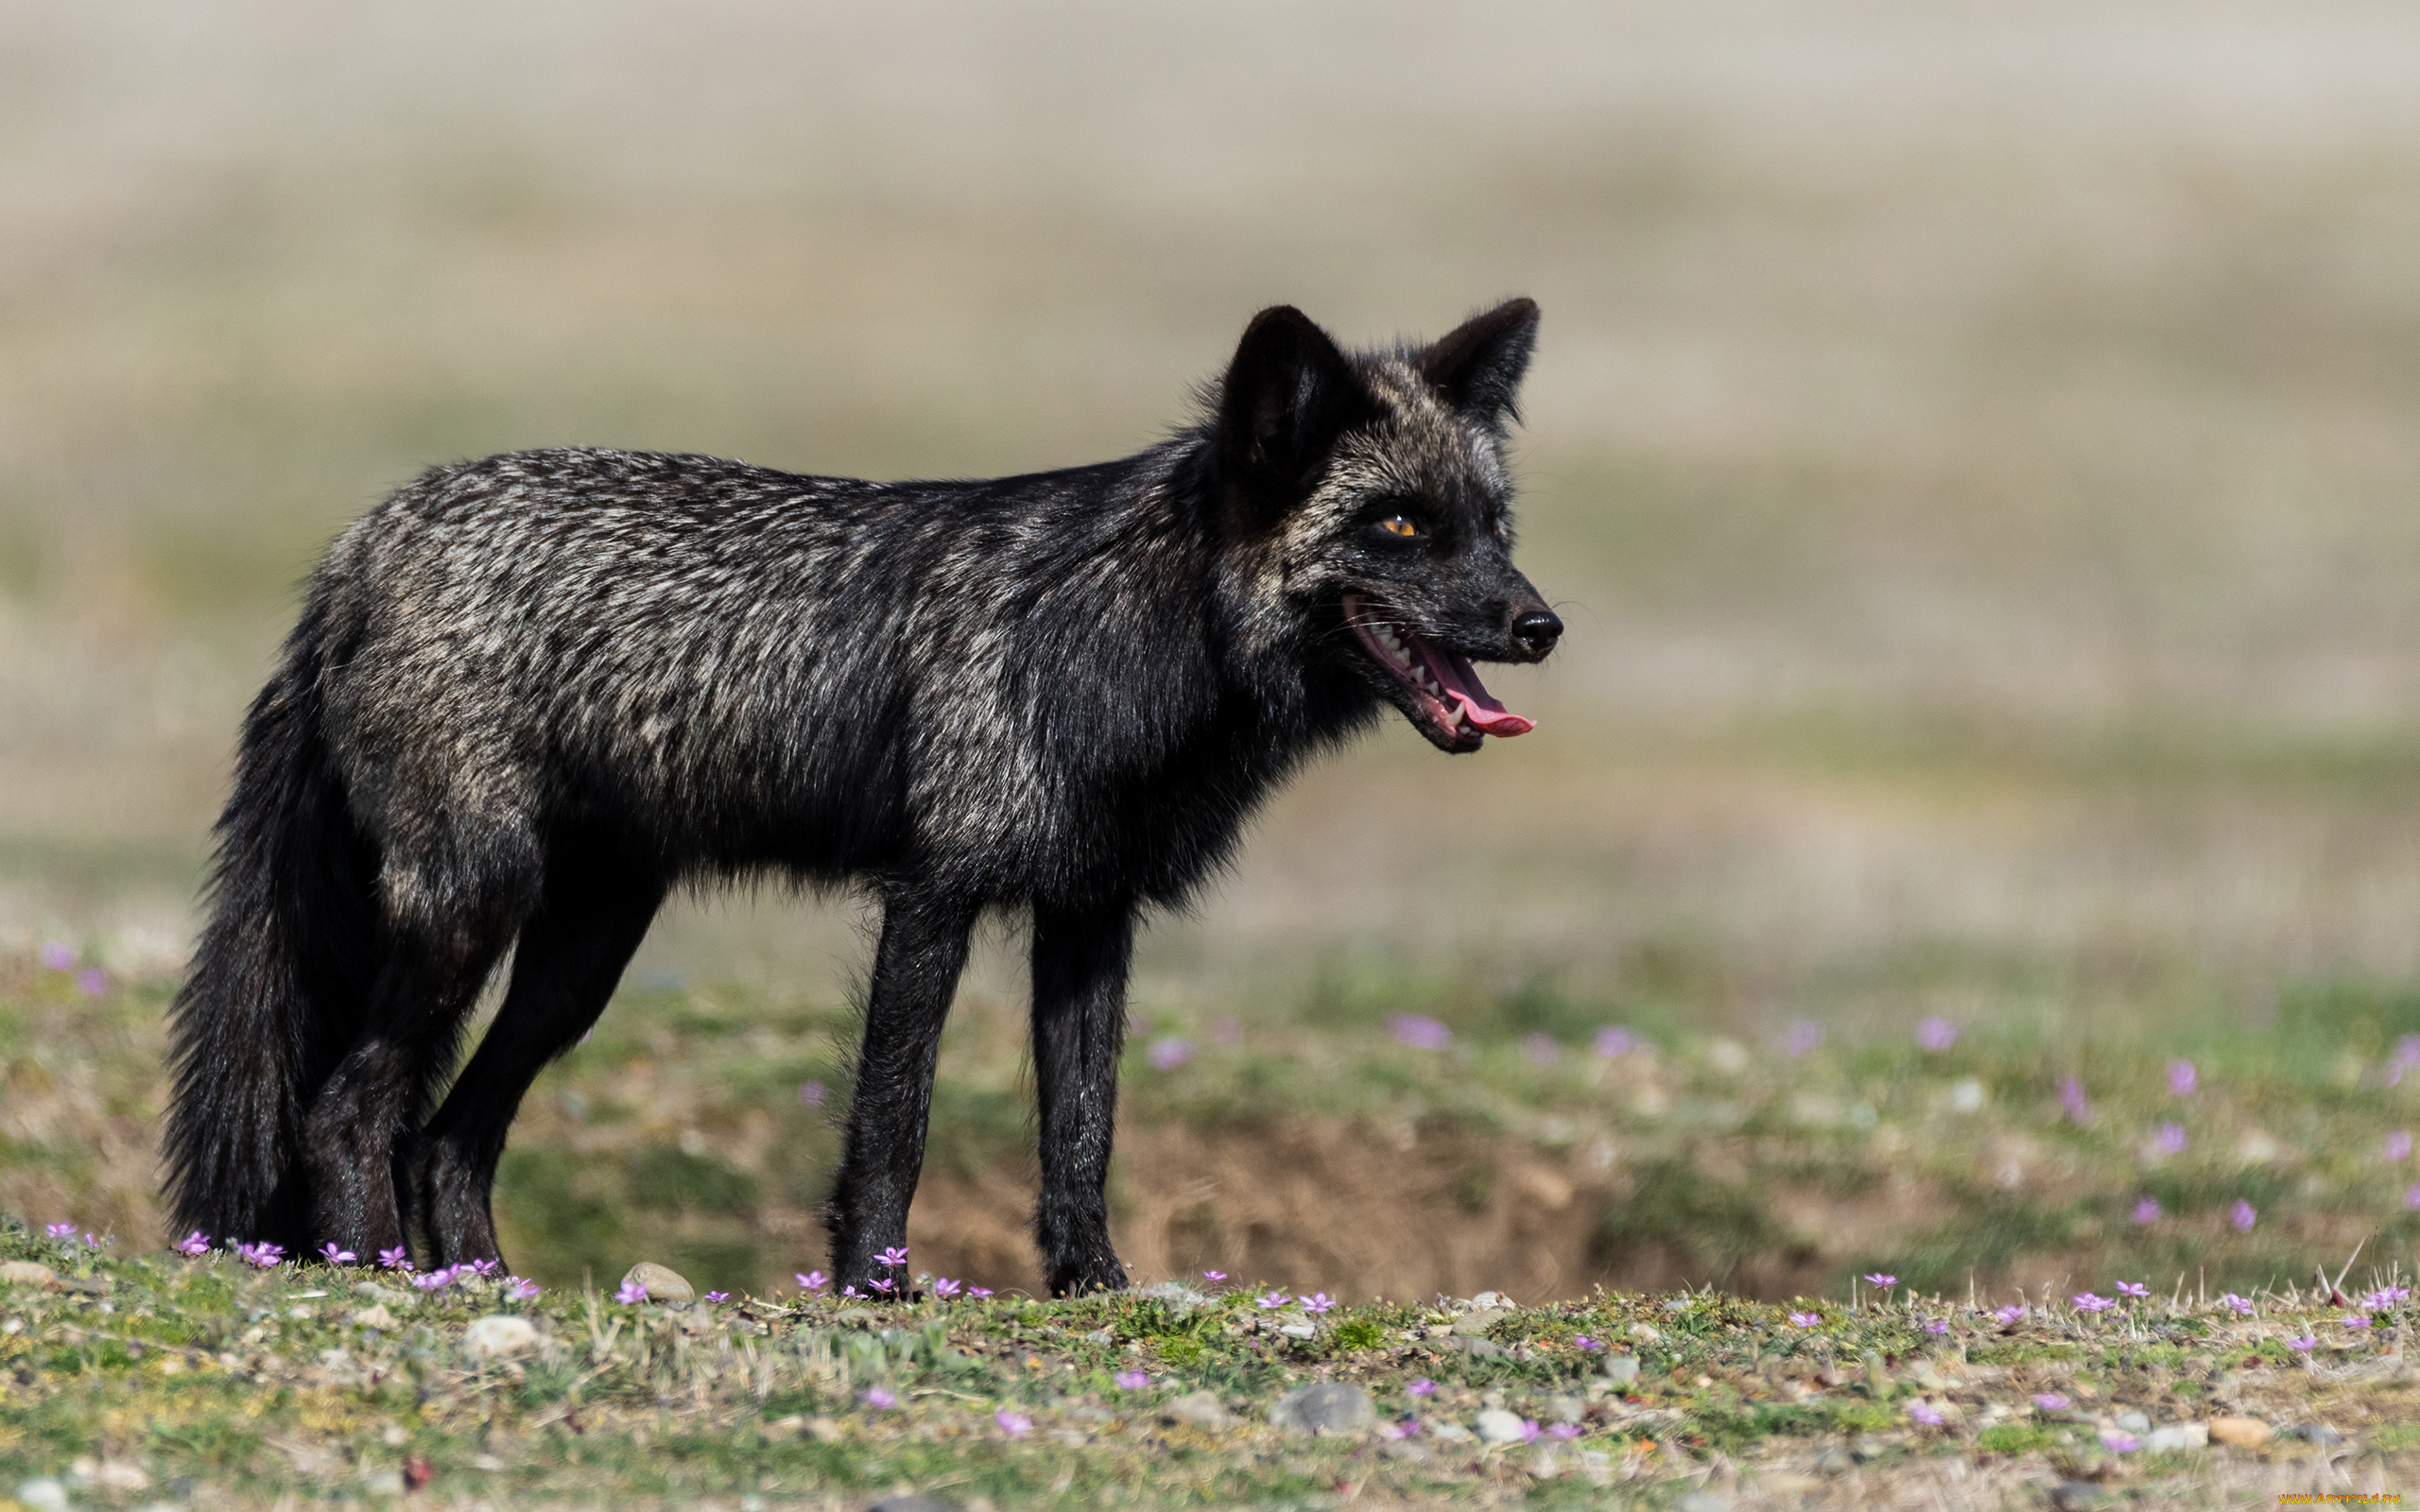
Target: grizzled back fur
point(520, 679)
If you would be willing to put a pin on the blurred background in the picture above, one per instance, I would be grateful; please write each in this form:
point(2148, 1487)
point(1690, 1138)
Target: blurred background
point(1974, 448)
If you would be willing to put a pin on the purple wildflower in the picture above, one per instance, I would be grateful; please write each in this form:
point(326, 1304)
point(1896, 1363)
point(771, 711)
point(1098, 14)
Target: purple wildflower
point(2182, 1078)
point(2385, 1299)
point(2051, 1401)
point(91, 981)
point(1131, 1379)
point(811, 1280)
point(1805, 1320)
point(896, 1255)
point(631, 1292)
point(877, 1396)
point(2305, 1345)
point(2241, 1305)
point(1418, 1032)
point(2169, 1140)
point(2132, 1289)
point(1565, 1430)
point(1272, 1302)
point(851, 1290)
point(978, 1290)
point(2120, 1443)
point(717, 1297)
point(396, 1258)
point(2008, 1317)
point(486, 1268)
point(59, 1231)
point(264, 1254)
point(195, 1242)
point(943, 1286)
point(1585, 1342)
point(811, 1094)
point(2412, 1197)
point(2087, 1302)
point(1936, 1327)
point(521, 1289)
point(440, 1279)
point(1214, 1275)
point(1169, 1052)
point(1613, 1041)
point(1403, 1428)
point(1936, 1034)
point(2354, 1320)
point(58, 956)
point(1528, 1430)
point(2243, 1215)
point(2147, 1210)
point(2071, 1098)
point(1878, 1278)
point(1924, 1412)
point(2397, 1144)
point(1317, 1302)
point(1014, 1424)
point(1802, 1036)
point(884, 1284)
point(335, 1255)
point(1421, 1387)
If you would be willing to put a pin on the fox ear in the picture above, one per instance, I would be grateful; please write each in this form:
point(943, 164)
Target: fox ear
point(1478, 365)
point(1288, 395)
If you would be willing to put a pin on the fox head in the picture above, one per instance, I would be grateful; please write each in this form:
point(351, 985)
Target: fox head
point(1369, 493)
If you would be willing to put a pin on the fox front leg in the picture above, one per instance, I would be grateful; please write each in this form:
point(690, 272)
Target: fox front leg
point(915, 975)
point(1080, 962)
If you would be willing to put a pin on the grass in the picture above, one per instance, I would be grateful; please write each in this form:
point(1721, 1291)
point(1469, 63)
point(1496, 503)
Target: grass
point(131, 1374)
point(1310, 1143)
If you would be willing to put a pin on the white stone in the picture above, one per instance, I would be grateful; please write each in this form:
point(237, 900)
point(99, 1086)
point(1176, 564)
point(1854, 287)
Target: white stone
point(1496, 1426)
point(2171, 1437)
point(42, 1494)
point(501, 1335)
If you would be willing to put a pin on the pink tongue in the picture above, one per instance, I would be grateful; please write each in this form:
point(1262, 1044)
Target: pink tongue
point(1462, 684)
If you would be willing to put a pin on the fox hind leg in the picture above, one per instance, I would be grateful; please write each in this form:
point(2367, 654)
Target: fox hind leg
point(362, 1118)
point(589, 921)
point(1080, 963)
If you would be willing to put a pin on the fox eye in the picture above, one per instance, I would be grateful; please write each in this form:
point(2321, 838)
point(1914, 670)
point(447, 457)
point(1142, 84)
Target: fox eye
point(1399, 525)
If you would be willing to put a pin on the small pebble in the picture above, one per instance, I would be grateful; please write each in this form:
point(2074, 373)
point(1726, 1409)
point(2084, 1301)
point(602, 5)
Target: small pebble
point(662, 1283)
point(1496, 1426)
point(1325, 1407)
point(1197, 1409)
point(501, 1335)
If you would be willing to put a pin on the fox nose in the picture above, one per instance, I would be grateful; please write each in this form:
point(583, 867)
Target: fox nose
point(1537, 629)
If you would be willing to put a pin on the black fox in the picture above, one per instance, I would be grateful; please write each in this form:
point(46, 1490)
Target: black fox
point(528, 695)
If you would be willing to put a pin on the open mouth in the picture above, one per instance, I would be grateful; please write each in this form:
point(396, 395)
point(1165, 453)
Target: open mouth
point(1444, 691)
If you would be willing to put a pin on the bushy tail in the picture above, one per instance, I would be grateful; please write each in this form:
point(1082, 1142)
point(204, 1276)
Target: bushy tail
point(278, 979)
